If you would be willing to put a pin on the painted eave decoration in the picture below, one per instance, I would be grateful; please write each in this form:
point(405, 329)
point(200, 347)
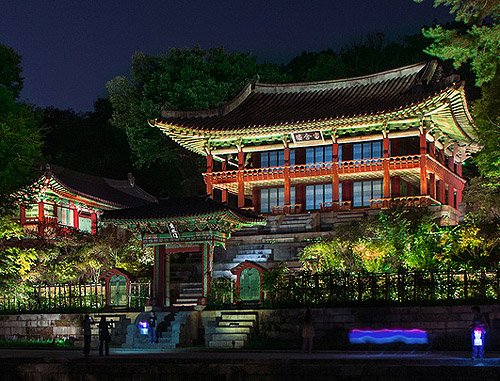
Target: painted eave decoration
point(58, 184)
point(395, 100)
point(188, 214)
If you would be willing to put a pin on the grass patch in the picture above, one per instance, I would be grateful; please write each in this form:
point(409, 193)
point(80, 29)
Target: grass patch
point(37, 344)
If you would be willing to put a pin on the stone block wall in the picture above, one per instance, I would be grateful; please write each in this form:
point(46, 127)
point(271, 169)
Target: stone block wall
point(447, 326)
point(58, 326)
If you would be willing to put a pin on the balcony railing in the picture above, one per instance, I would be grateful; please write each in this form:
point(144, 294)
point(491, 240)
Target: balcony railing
point(335, 206)
point(286, 209)
point(402, 202)
point(316, 169)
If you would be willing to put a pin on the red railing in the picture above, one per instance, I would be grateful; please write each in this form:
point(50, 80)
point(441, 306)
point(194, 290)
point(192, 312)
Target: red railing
point(286, 209)
point(335, 206)
point(316, 169)
point(405, 202)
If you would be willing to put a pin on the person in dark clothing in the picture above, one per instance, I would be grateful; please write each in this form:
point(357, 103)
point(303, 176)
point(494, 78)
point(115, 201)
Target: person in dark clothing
point(87, 334)
point(152, 327)
point(104, 336)
point(163, 325)
point(479, 327)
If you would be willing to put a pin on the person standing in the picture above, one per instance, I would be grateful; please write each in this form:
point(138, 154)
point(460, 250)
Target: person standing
point(152, 327)
point(479, 327)
point(307, 331)
point(87, 335)
point(104, 336)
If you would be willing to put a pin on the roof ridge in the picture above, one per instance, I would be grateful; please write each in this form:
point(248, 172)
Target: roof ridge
point(256, 87)
point(405, 71)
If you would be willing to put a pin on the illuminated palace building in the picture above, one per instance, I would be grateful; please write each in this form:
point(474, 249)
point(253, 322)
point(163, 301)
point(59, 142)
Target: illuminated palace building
point(310, 155)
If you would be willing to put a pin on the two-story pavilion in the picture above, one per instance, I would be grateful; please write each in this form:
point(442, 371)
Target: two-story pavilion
point(63, 199)
point(394, 138)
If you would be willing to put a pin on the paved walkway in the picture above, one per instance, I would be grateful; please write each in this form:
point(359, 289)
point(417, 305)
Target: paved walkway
point(189, 354)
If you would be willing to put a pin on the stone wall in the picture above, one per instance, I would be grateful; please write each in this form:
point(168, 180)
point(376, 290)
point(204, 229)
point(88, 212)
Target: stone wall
point(59, 326)
point(447, 326)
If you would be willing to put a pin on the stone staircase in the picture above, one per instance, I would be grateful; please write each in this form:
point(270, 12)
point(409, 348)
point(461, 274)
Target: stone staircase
point(189, 295)
point(230, 329)
point(169, 339)
point(299, 223)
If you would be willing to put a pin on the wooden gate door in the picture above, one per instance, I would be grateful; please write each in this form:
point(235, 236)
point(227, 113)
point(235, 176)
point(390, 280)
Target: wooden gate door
point(250, 284)
point(118, 290)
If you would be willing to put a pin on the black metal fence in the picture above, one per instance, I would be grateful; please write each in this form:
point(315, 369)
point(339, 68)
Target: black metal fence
point(401, 287)
point(69, 297)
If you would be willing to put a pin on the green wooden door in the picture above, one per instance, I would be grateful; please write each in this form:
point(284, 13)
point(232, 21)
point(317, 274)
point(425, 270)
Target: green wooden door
point(250, 284)
point(118, 290)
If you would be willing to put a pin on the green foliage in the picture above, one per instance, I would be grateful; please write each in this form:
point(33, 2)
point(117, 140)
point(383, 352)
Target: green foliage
point(20, 139)
point(476, 41)
point(272, 281)
point(20, 143)
point(72, 138)
point(372, 54)
point(393, 241)
point(10, 71)
point(181, 79)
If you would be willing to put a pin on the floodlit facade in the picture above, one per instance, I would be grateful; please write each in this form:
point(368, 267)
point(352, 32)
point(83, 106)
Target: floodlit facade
point(62, 200)
point(391, 139)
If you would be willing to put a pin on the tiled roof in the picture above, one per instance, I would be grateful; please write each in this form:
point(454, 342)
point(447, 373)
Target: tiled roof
point(120, 193)
point(274, 104)
point(176, 208)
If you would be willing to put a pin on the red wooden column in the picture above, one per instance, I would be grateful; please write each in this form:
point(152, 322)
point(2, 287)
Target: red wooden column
point(76, 221)
point(41, 219)
point(22, 217)
point(432, 185)
point(161, 277)
point(451, 196)
point(286, 175)
point(208, 178)
point(335, 172)
point(387, 176)
point(423, 163)
point(442, 192)
point(208, 260)
point(241, 184)
point(93, 222)
point(224, 191)
point(432, 149)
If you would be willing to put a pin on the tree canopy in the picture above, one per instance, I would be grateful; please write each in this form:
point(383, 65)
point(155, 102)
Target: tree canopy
point(20, 138)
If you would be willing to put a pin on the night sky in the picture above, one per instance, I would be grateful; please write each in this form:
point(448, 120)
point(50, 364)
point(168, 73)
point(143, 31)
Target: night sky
point(70, 49)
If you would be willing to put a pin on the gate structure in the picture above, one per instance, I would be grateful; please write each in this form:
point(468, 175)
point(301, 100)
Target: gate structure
point(186, 225)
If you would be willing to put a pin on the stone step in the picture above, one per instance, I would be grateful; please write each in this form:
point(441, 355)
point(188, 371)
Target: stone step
point(230, 323)
point(230, 336)
point(232, 329)
point(238, 316)
point(225, 344)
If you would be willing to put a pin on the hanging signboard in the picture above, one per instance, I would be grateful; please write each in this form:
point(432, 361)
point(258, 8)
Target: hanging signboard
point(309, 136)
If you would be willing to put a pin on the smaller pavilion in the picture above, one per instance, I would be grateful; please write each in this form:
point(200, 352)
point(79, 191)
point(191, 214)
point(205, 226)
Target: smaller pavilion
point(185, 225)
